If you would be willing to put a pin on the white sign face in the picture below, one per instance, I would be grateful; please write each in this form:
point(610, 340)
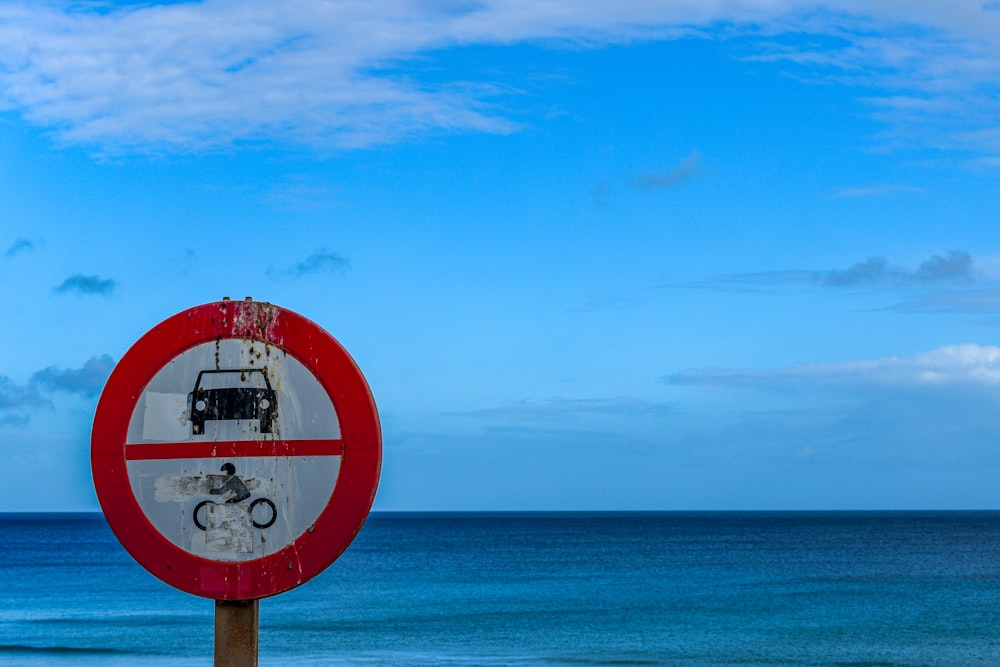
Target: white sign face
point(233, 450)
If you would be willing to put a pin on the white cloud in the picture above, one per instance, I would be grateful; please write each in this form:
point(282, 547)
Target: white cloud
point(198, 75)
point(191, 76)
point(967, 365)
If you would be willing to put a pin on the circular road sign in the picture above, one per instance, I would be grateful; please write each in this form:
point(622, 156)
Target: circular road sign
point(236, 450)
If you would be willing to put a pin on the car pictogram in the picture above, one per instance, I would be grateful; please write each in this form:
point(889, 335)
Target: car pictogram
point(234, 394)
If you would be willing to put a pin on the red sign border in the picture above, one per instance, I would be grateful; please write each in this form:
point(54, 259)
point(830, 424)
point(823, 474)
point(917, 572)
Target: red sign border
point(357, 479)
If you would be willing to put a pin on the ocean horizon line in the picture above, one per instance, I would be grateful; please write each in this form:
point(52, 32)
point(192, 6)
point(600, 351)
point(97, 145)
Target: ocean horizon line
point(83, 514)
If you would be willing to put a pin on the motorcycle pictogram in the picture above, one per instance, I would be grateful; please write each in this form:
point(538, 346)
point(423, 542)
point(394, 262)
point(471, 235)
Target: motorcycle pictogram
point(253, 505)
point(236, 491)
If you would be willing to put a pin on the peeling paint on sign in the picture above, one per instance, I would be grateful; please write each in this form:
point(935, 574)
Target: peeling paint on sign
point(219, 402)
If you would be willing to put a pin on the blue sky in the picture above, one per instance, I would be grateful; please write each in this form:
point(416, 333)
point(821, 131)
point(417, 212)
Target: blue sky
point(622, 255)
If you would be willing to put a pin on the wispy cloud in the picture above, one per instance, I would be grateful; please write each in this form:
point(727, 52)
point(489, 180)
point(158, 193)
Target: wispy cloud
point(87, 381)
point(321, 261)
point(926, 68)
point(17, 421)
point(17, 401)
point(561, 409)
point(974, 301)
point(929, 409)
point(18, 247)
point(870, 271)
point(686, 169)
point(303, 194)
point(605, 303)
point(81, 284)
point(599, 191)
point(876, 191)
point(14, 396)
point(954, 267)
point(189, 76)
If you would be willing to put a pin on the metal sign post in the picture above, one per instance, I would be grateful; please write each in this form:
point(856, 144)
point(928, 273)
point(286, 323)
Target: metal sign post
point(236, 624)
point(236, 452)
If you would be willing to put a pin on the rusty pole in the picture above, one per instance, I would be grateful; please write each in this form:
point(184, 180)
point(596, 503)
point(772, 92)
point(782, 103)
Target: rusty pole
point(236, 623)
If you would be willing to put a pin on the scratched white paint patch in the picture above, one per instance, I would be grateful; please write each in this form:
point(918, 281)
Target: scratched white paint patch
point(165, 417)
point(228, 529)
point(241, 507)
point(178, 489)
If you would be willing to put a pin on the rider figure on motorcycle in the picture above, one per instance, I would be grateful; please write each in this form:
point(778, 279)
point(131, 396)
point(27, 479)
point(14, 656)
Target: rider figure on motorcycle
point(233, 487)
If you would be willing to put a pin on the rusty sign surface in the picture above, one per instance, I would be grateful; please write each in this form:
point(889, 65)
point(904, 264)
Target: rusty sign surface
point(236, 450)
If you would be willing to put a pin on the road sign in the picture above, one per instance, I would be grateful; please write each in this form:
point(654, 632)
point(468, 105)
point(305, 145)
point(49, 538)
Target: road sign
point(236, 450)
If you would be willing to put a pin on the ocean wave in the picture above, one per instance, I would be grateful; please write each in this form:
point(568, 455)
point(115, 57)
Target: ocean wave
point(83, 650)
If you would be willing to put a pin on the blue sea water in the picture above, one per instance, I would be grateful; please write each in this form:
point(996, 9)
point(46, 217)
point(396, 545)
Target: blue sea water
point(542, 590)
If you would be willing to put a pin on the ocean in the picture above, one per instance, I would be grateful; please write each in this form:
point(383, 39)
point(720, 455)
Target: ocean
point(554, 590)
